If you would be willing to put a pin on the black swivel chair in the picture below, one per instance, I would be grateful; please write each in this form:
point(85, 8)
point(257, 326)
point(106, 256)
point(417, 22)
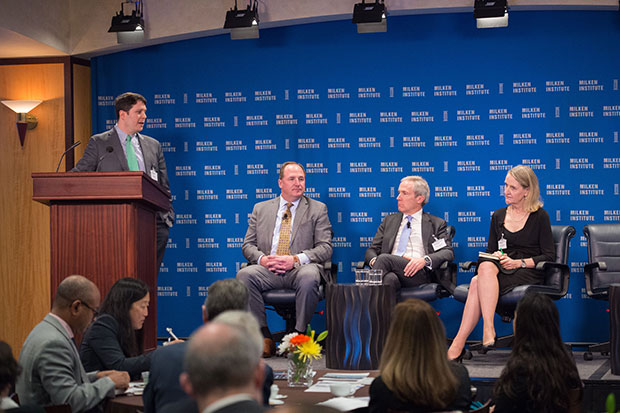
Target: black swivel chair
point(443, 280)
point(282, 301)
point(603, 268)
point(555, 285)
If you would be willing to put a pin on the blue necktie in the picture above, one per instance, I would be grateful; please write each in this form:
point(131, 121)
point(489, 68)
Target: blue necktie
point(404, 237)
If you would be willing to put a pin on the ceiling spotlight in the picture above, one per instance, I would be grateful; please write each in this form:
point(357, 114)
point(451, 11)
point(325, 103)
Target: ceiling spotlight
point(129, 28)
point(370, 17)
point(243, 24)
point(491, 13)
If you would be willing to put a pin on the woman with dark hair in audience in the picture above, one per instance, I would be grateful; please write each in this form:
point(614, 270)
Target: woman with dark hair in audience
point(520, 237)
point(416, 375)
point(115, 340)
point(540, 375)
point(9, 370)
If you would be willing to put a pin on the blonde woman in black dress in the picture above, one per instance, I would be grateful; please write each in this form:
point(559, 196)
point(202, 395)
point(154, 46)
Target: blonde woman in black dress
point(520, 237)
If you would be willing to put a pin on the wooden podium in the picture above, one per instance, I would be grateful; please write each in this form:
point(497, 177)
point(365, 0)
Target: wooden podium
point(103, 226)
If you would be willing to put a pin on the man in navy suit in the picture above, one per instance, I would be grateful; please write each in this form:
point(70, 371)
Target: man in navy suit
point(163, 391)
point(410, 243)
point(123, 148)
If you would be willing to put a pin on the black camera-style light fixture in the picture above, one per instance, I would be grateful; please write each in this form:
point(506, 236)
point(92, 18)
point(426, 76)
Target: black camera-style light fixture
point(243, 24)
point(129, 28)
point(370, 17)
point(491, 13)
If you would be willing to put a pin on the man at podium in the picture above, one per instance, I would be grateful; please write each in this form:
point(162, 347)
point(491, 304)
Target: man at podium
point(123, 148)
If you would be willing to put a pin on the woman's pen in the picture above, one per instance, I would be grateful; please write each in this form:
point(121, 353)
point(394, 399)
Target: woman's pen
point(169, 330)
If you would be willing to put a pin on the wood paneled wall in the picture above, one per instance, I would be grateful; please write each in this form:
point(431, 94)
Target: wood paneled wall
point(24, 224)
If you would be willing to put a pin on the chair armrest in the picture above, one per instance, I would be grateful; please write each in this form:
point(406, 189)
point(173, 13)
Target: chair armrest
point(360, 265)
point(446, 275)
point(601, 265)
point(543, 265)
point(332, 271)
point(466, 266)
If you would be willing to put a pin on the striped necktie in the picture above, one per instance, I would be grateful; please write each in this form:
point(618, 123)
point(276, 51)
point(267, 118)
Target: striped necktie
point(285, 232)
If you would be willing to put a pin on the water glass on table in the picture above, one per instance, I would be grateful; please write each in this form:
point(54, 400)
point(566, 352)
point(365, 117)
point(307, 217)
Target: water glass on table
point(361, 276)
point(375, 277)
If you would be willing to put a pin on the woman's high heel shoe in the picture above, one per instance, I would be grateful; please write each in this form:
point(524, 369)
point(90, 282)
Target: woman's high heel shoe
point(459, 358)
point(490, 346)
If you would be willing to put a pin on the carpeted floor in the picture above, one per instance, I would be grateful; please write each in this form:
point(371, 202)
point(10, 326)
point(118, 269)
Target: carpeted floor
point(490, 365)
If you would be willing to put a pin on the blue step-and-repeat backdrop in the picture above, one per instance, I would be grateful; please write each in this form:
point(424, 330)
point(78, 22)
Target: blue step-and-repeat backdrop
point(433, 96)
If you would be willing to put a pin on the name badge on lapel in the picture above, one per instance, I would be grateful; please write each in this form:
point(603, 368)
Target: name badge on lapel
point(438, 244)
point(154, 175)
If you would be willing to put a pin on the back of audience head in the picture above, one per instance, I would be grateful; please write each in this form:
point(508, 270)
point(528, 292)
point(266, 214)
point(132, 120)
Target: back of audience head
point(9, 369)
point(225, 295)
point(76, 301)
point(128, 301)
point(414, 364)
point(539, 359)
point(224, 355)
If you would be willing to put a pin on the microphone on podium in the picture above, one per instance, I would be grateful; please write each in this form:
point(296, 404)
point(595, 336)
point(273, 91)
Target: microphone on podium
point(65, 152)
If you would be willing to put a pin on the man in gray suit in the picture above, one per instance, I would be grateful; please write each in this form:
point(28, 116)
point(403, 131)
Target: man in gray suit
point(122, 148)
point(287, 241)
point(52, 371)
point(410, 243)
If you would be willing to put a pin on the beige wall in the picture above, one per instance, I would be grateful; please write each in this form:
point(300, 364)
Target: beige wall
point(24, 224)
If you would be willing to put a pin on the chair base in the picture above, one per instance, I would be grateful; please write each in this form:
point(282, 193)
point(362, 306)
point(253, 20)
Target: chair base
point(603, 348)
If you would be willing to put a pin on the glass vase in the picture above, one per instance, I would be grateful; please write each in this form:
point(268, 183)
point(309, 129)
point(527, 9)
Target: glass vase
point(299, 372)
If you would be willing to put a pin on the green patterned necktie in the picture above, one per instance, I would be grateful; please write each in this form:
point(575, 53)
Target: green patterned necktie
point(132, 160)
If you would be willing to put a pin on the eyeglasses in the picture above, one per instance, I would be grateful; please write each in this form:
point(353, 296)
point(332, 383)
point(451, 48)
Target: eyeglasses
point(95, 312)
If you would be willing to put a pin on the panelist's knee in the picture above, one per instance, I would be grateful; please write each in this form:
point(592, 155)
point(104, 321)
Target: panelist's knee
point(308, 276)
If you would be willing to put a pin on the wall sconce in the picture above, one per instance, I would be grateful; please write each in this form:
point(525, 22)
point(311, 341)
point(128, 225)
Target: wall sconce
point(24, 119)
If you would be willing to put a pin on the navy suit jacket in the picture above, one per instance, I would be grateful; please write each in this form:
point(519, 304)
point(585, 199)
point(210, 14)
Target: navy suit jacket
point(384, 240)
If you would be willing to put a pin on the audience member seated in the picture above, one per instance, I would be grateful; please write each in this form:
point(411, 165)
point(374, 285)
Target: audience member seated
point(224, 371)
point(163, 391)
point(9, 370)
point(540, 375)
point(416, 375)
point(116, 339)
point(52, 371)
point(520, 237)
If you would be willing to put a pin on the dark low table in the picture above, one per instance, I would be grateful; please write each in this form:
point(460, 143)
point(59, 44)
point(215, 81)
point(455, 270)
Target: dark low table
point(358, 319)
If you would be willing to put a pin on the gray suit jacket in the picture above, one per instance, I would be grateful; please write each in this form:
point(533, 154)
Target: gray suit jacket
point(383, 243)
point(311, 233)
point(104, 153)
point(53, 373)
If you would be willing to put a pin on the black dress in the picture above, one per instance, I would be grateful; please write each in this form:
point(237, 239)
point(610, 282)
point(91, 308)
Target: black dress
point(382, 399)
point(534, 241)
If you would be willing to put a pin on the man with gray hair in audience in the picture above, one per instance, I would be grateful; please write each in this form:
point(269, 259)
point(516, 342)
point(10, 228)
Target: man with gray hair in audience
point(223, 364)
point(163, 392)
